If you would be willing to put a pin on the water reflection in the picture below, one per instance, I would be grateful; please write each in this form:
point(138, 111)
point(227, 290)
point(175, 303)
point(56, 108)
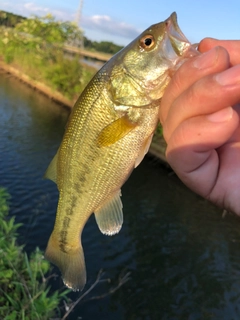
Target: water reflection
point(186, 256)
point(31, 133)
point(183, 256)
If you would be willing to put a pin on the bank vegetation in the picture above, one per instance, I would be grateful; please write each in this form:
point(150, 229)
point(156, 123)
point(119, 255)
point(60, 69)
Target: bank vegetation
point(35, 48)
point(24, 280)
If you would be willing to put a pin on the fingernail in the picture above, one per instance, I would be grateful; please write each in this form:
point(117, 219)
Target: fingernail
point(221, 116)
point(206, 59)
point(229, 77)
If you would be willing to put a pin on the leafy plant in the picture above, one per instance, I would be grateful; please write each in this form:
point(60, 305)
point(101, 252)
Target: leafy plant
point(24, 291)
point(65, 76)
point(50, 30)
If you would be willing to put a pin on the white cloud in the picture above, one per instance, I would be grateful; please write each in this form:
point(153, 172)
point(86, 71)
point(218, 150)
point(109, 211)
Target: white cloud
point(30, 6)
point(99, 23)
point(33, 9)
point(108, 25)
point(27, 9)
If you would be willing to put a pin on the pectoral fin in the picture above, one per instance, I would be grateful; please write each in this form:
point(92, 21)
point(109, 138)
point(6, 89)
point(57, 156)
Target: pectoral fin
point(115, 131)
point(109, 216)
point(144, 150)
point(51, 172)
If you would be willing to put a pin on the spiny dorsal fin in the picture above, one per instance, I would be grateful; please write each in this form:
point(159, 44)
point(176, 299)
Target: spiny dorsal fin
point(109, 216)
point(115, 131)
point(51, 172)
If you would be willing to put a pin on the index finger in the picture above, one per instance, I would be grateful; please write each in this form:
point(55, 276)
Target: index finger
point(215, 60)
point(232, 46)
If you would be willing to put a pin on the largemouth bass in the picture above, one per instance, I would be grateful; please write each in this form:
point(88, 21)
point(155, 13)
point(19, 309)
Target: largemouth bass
point(108, 133)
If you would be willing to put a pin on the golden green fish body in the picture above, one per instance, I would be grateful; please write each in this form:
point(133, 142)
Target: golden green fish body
point(108, 133)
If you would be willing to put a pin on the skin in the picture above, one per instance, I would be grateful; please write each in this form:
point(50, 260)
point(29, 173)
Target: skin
point(200, 113)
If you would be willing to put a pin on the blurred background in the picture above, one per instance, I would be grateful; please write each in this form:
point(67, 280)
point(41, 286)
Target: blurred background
point(124, 20)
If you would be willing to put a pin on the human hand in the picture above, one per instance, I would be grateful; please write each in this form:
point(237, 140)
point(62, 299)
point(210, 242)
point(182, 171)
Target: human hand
point(200, 113)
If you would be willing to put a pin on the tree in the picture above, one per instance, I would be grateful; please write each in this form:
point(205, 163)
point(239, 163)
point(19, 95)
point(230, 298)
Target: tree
point(49, 30)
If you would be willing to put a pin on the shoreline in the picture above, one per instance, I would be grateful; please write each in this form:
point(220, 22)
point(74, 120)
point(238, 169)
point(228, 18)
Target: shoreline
point(158, 145)
point(36, 85)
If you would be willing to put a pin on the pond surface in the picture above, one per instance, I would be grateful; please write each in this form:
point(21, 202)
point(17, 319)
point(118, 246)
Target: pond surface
point(183, 257)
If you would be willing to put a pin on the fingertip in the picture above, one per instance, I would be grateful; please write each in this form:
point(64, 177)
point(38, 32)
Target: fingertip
point(221, 116)
point(212, 58)
point(207, 44)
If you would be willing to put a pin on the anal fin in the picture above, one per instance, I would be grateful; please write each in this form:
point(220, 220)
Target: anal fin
point(109, 216)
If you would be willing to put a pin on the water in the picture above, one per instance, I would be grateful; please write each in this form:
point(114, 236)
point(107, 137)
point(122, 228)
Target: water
point(183, 256)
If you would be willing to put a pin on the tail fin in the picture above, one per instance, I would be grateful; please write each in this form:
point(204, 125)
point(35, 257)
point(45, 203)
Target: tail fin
point(71, 264)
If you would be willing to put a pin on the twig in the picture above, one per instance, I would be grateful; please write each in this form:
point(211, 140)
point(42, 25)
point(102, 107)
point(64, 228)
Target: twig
point(82, 296)
point(122, 280)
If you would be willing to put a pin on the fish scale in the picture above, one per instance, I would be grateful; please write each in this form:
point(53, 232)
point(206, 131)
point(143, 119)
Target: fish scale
point(108, 133)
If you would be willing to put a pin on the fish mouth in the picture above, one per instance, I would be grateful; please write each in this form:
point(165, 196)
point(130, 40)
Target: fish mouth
point(177, 46)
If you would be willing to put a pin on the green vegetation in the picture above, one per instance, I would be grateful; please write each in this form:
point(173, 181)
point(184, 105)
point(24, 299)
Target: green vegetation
point(9, 19)
point(24, 291)
point(103, 46)
point(35, 47)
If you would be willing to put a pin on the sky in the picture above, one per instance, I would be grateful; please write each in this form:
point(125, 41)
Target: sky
point(120, 21)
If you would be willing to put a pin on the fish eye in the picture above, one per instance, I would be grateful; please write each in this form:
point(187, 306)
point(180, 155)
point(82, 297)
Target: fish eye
point(147, 42)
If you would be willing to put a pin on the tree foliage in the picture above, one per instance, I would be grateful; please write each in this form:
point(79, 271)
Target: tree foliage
point(103, 46)
point(9, 19)
point(50, 30)
point(35, 46)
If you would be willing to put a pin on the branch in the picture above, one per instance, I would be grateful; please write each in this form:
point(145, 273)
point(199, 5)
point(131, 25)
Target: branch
point(121, 281)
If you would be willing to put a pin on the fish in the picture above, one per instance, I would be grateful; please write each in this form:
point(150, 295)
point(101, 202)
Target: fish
point(107, 135)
